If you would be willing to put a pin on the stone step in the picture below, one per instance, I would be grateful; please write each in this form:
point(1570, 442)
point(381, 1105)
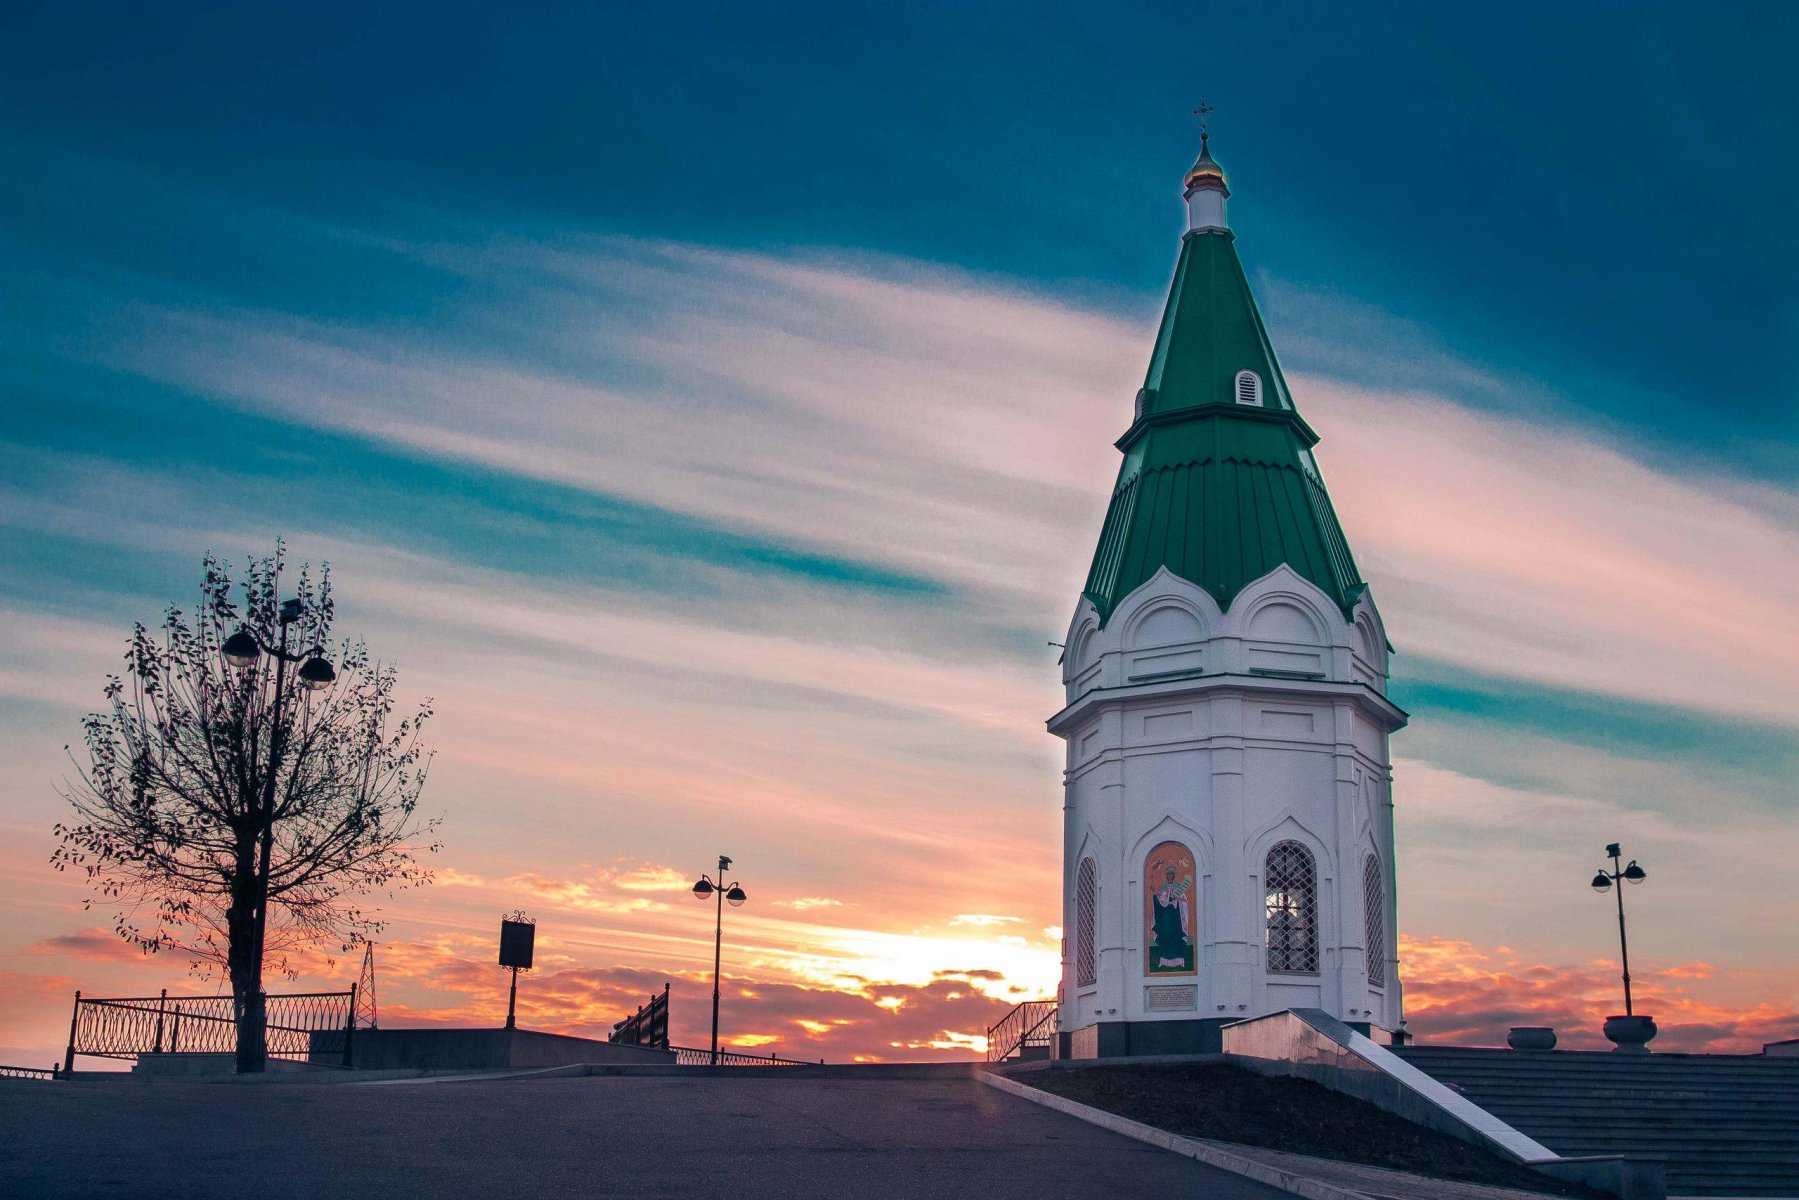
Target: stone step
point(1761, 1153)
point(1654, 1118)
point(1576, 1087)
point(1639, 1091)
point(1724, 1126)
point(1605, 1110)
point(1701, 1079)
point(1587, 1087)
point(1647, 1064)
point(1732, 1186)
point(1612, 1087)
point(1490, 1053)
point(1662, 1125)
point(1496, 1071)
point(1551, 1132)
point(1697, 1107)
point(1667, 1122)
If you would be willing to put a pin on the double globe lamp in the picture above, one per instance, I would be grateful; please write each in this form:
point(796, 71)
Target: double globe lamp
point(243, 648)
point(734, 894)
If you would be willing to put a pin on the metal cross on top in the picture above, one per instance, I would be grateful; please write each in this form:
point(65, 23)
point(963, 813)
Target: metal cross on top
point(1203, 112)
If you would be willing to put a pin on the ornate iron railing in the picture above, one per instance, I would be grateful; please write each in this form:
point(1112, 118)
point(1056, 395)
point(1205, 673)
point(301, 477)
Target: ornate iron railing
point(1032, 1023)
point(7, 1072)
point(689, 1056)
point(312, 1027)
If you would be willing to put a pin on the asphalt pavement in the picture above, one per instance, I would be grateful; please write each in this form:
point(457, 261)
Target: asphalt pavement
point(721, 1138)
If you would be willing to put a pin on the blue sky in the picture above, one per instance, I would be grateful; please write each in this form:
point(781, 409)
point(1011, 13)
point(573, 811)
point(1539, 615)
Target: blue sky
point(754, 370)
point(1594, 195)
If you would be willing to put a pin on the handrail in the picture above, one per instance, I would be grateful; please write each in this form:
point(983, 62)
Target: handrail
point(648, 1026)
point(693, 1056)
point(1023, 1027)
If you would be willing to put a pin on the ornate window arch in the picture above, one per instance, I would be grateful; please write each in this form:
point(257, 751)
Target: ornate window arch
point(1374, 918)
point(1290, 888)
point(1086, 901)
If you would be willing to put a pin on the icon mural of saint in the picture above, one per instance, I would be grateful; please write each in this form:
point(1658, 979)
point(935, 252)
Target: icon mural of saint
point(1168, 882)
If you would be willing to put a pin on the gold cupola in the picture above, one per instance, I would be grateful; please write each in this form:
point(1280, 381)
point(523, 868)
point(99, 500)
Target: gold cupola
point(1206, 190)
point(1205, 172)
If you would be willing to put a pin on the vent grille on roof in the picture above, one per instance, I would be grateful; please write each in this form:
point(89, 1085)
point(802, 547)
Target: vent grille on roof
point(1249, 388)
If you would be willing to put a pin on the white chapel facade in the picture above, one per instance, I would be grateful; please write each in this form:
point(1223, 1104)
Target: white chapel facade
point(1228, 814)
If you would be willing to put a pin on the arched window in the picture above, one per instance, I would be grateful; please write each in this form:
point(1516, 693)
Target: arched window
point(1086, 897)
point(1290, 881)
point(1249, 388)
point(1374, 917)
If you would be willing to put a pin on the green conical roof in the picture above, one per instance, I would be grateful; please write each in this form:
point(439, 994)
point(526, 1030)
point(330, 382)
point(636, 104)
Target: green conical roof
point(1217, 491)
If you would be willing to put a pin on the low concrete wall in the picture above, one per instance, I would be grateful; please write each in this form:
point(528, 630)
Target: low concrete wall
point(1121, 1039)
point(173, 1065)
point(489, 1049)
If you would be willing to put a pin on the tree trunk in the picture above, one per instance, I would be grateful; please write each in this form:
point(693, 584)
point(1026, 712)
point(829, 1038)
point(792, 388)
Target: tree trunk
point(245, 961)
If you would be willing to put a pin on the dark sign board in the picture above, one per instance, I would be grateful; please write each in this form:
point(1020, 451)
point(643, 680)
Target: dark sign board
point(516, 938)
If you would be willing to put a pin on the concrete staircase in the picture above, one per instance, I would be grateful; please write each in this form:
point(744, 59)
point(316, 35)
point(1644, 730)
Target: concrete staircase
point(1725, 1125)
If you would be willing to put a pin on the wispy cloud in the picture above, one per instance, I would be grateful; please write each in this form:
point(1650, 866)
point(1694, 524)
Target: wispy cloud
point(952, 428)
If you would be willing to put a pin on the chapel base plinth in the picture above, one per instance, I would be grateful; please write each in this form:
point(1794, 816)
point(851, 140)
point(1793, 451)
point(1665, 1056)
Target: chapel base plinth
point(1135, 1039)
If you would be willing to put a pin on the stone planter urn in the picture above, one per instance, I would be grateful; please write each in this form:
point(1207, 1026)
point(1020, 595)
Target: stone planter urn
point(1531, 1037)
point(1630, 1035)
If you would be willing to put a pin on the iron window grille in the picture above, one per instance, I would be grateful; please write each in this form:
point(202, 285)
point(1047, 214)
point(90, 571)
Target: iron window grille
point(1085, 897)
point(1374, 918)
point(1290, 881)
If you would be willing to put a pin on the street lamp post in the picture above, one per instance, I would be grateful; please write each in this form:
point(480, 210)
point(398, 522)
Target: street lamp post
point(241, 650)
point(1602, 883)
point(1629, 1032)
point(722, 892)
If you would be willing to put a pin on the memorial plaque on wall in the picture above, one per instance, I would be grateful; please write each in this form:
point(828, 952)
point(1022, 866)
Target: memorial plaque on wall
point(1170, 997)
point(516, 940)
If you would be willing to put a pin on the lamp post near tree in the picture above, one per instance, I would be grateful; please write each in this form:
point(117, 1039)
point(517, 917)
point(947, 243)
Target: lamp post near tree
point(241, 650)
point(1629, 1033)
point(721, 892)
point(233, 812)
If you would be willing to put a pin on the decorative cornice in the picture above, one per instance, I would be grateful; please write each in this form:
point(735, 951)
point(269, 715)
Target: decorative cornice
point(1216, 408)
point(1390, 714)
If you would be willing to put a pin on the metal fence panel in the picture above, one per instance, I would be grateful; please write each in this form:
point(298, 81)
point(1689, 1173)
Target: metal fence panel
point(309, 1027)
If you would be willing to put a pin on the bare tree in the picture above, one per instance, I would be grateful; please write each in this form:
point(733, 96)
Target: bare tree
point(240, 793)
